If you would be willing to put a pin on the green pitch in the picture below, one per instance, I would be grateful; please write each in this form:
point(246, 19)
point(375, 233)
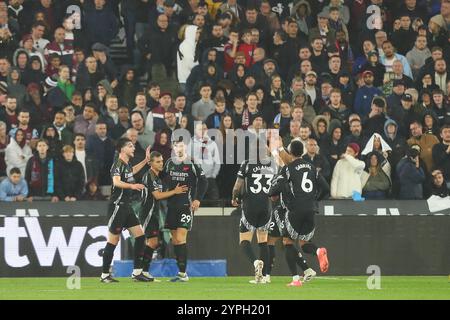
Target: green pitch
point(236, 288)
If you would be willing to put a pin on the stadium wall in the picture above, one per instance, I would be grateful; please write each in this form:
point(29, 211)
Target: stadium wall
point(399, 245)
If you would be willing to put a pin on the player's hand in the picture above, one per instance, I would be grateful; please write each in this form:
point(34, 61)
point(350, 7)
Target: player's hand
point(147, 154)
point(195, 205)
point(274, 198)
point(235, 203)
point(181, 189)
point(137, 186)
point(55, 199)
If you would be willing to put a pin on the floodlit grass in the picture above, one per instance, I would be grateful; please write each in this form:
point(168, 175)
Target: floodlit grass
point(236, 288)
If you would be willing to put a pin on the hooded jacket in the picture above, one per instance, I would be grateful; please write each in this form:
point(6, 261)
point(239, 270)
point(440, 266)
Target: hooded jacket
point(30, 75)
point(411, 179)
point(397, 143)
point(17, 90)
point(308, 111)
point(127, 90)
point(186, 54)
point(303, 23)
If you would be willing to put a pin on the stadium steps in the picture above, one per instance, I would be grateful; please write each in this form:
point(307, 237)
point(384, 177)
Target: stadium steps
point(118, 52)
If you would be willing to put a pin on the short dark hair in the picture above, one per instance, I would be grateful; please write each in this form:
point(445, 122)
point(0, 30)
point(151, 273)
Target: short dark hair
point(90, 104)
point(203, 85)
point(154, 154)
point(79, 134)
point(296, 148)
point(14, 171)
point(138, 112)
point(122, 142)
point(60, 112)
point(445, 126)
point(38, 24)
point(153, 84)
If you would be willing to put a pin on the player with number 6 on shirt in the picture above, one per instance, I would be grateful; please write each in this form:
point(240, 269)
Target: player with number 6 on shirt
point(252, 187)
point(301, 179)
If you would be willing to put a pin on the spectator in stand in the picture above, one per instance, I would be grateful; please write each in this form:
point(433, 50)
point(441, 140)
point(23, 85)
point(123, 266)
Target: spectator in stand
point(100, 23)
point(31, 134)
point(347, 174)
point(389, 56)
point(17, 152)
point(313, 156)
point(4, 141)
point(93, 192)
point(85, 122)
point(411, 176)
point(205, 152)
point(205, 106)
point(439, 187)
point(14, 188)
point(69, 176)
point(441, 152)
point(426, 143)
point(87, 160)
point(40, 174)
point(365, 95)
point(376, 177)
point(418, 55)
point(102, 149)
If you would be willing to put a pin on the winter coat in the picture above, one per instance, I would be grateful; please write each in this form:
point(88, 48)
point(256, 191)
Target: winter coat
point(100, 26)
point(17, 157)
point(411, 180)
point(69, 179)
point(363, 99)
point(426, 143)
point(186, 54)
point(347, 177)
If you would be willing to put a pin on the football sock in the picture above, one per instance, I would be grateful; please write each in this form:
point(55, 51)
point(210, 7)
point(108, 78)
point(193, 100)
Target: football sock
point(271, 258)
point(108, 254)
point(148, 254)
point(139, 244)
point(310, 248)
point(301, 261)
point(248, 251)
point(291, 257)
point(264, 256)
point(181, 255)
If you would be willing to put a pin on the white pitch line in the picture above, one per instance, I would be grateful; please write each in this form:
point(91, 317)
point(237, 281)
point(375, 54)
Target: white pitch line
point(330, 278)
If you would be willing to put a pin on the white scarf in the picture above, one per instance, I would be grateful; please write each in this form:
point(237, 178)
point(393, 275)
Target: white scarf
point(369, 146)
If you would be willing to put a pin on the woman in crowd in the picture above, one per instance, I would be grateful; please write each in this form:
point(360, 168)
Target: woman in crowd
point(17, 152)
point(376, 178)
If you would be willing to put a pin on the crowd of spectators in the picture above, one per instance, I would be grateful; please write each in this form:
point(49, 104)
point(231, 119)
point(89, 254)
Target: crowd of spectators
point(364, 85)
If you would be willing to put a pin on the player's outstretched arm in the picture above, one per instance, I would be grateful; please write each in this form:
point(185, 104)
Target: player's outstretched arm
point(125, 185)
point(158, 195)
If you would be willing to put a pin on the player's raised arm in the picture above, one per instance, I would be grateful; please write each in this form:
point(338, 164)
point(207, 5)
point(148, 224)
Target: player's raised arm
point(237, 192)
point(138, 167)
